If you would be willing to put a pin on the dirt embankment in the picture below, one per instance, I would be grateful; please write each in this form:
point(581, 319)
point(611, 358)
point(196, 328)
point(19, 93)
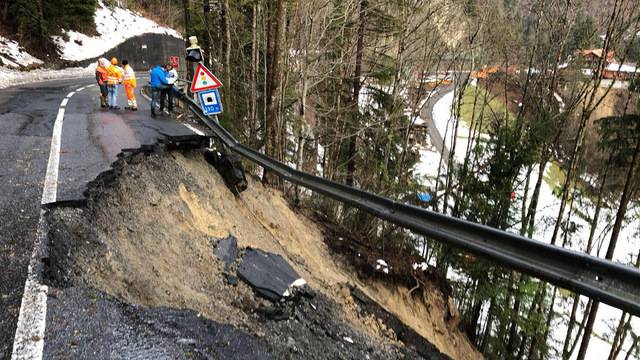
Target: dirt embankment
point(147, 238)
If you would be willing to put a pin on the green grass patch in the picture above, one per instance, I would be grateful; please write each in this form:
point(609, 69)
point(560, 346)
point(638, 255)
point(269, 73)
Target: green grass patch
point(555, 177)
point(488, 108)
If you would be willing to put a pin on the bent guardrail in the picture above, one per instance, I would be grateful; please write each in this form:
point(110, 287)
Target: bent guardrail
point(606, 281)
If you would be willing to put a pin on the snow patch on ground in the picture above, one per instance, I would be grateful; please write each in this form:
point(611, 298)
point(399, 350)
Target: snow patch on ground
point(11, 77)
point(12, 55)
point(115, 25)
point(547, 212)
point(427, 167)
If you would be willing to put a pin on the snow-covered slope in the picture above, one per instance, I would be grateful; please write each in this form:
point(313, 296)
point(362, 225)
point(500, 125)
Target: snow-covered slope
point(11, 77)
point(548, 208)
point(14, 59)
point(114, 26)
point(14, 56)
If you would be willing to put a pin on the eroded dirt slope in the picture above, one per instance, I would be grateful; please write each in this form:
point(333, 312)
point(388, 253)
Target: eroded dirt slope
point(147, 238)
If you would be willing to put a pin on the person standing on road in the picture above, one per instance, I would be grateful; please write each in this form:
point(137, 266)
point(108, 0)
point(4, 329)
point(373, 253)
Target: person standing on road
point(130, 86)
point(102, 76)
point(158, 82)
point(172, 77)
point(113, 81)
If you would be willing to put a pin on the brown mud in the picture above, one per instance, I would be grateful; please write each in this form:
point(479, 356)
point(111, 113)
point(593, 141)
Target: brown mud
point(146, 235)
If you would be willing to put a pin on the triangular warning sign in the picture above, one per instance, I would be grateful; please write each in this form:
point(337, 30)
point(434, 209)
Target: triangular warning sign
point(203, 79)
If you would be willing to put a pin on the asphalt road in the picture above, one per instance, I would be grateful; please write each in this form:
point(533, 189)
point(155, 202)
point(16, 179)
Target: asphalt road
point(91, 139)
point(427, 115)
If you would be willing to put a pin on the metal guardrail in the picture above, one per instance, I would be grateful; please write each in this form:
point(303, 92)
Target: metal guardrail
point(609, 282)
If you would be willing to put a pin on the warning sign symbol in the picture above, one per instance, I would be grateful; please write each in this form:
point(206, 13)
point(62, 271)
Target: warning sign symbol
point(204, 80)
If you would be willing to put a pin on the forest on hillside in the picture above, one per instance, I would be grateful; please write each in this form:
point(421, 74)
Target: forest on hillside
point(339, 88)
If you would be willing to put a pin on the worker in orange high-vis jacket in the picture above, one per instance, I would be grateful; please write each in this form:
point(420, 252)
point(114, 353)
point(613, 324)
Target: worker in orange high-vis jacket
point(114, 79)
point(130, 86)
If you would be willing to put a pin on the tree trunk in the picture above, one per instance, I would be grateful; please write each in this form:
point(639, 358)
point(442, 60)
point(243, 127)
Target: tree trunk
point(631, 349)
point(629, 184)
point(533, 205)
point(187, 19)
point(620, 336)
point(253, 103)
point(515, 314)
point(5, 11)
point(487, 329)
point(623, 327)
point(596, 214)
point(570, 326)
point(588, 329)
point(357, 86)
point(273, 136)
point(227, 37)
point(567, 350)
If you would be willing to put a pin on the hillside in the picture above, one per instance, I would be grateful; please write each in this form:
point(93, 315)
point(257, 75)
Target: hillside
point(146, 238)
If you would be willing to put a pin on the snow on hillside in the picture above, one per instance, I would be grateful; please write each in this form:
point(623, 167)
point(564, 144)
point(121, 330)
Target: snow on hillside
point(14, 56)
point(548, 208)
point(115, 25)
point(11, 77)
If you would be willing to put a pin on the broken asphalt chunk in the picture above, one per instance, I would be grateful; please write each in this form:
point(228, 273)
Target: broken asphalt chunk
point(230, 167)
point(227, 251)
point(268, 274)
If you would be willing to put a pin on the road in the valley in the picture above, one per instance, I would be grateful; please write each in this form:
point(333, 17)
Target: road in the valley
point(427, 116)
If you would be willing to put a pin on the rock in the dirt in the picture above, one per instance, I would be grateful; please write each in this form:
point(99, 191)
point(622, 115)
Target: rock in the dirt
point(227, 251)
point(268, 274)
point(231, 280)
point(185, 341)
point(273, 313)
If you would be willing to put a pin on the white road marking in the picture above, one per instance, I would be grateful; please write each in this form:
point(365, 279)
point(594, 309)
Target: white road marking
point(195, 130)
point(81, 88)
point(29, 339)
point(30, 331)
point(51, 179)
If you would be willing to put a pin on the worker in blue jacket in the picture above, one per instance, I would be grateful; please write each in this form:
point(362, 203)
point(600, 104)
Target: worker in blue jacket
point(158, 82)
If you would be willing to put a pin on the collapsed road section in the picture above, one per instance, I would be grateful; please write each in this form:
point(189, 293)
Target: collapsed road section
point(162, 261)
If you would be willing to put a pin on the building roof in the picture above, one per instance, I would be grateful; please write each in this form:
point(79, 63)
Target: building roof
point(597, 53)
point(626, 68)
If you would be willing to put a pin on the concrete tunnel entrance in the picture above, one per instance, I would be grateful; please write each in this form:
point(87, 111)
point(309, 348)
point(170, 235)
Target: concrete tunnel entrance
point(146, 51)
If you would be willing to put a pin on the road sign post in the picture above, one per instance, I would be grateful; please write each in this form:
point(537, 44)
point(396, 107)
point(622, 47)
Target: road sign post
point(205, 84)
point(210, 102)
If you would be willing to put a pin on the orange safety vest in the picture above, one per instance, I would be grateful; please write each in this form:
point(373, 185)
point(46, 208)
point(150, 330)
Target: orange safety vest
point(114, 75)
point(101, 74)
point(129, 76)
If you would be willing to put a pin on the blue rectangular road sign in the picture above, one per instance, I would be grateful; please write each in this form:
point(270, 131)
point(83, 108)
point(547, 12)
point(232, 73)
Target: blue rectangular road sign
point(210, 102)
